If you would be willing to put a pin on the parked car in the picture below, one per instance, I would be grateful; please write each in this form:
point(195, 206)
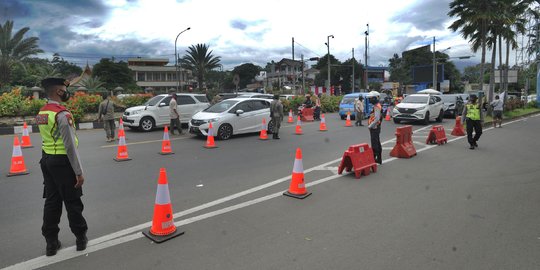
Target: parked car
point(287, 97)
point(255, 95)
point(452, 105)
point(155, 112)
point(232, 116)
point(419, 107)
point(224, 96)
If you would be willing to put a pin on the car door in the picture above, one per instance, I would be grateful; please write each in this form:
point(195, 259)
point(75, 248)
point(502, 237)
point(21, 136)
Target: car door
point(261, 110)
point(187, 107)
point(163, 112)
point(438, 106)
point(242, 122)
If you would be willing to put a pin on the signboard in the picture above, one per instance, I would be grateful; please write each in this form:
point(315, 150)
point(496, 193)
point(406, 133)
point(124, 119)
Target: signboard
point(424, 74)
point(512, 76)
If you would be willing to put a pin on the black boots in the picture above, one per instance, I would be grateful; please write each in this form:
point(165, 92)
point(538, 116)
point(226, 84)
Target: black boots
point(81, 242)
point(275, 136)
point(53, 246)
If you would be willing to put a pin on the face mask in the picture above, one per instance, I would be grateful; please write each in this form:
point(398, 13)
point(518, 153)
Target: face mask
point(65, 96)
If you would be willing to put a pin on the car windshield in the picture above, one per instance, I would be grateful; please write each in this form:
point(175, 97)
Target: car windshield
point(202, 99)
point(348, 100)
point(153, 101)
point(416, 99)
point(221, 106)
point(448, 99)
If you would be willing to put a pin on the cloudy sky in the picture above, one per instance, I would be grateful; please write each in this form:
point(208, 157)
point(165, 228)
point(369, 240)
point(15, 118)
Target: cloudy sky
point(240, 31)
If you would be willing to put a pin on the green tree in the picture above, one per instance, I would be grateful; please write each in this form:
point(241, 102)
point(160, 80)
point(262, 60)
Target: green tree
point(322, 66)
point(200, 61)
point(114, 74)
point(93, 84)
point(65, 68)
point(247, 73)
point(398, 70)
point(14, 48)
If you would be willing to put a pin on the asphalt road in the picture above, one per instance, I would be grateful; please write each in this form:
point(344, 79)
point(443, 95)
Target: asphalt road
point(446, 208)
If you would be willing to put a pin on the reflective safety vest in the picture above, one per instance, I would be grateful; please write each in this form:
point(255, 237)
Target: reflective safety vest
point(372, 114)
point(473, 111)
point(47, 121)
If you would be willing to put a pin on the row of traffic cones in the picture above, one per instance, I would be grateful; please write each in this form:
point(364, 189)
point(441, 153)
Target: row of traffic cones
point(163, 227)
point(18, 167)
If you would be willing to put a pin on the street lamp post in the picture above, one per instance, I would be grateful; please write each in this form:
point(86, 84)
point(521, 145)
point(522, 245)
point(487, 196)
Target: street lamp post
point(176, 59)
point(328, 47)
point(435, 64)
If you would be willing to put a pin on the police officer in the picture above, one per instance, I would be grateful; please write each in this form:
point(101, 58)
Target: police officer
point(276, 113)
point(61, 166)
point(374, 126)
point(474, 119)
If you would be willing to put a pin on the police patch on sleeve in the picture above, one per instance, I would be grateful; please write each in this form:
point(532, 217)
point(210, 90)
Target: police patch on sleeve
point(70, 119)
point(42, 119)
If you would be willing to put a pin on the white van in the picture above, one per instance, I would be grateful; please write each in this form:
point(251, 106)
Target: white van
point(155, 112)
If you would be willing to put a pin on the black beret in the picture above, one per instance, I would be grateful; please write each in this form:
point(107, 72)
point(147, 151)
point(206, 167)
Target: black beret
point(45, 83)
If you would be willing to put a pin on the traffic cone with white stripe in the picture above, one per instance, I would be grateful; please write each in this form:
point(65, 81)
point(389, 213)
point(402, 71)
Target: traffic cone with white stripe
point(17, 160)
point(348, 121)
point(122, 153)
point(163, 227)
point(210, 138)
point(26, 143)
point(298, 127)
point(264, 133)
point(297, 189)
point(166, 143)
point(290, 117)
point(387, 118)
point(322, 125)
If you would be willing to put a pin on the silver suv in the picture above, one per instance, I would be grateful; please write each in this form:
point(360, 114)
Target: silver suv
point(419, 107)
point(155, 112)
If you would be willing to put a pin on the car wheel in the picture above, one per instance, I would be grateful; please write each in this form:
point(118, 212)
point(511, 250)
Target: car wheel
point(147, 124)
point(440, 117)
point(225, 132)
point(426, 118)
point(270, 128)
point(397, 121)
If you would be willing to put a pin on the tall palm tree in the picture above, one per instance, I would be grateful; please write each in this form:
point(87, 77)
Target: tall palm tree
point(14, 48)
point(93, 84)
point(44, 72)
point(473, 18)
point(200, 61)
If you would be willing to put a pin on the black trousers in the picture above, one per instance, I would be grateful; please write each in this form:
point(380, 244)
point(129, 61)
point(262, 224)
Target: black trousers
point(376, 143)
point(475, 125)
point(59, 180)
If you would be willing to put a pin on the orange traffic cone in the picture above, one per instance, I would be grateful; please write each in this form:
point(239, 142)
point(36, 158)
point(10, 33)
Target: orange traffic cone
point(290, 117)
point(17, 160)
point(322, 126)
point(166, 143)
point(122, 153)
point(348, 121)
point(163, 227)
point(387, 118)
point(26, 137)
point(458, 128)
point(299, 126)
point(297, 189)
point(210, 137)
point(264, 134)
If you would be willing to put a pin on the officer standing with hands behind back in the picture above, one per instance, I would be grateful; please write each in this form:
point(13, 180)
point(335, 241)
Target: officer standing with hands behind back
point(61, 167)
point(374, 126)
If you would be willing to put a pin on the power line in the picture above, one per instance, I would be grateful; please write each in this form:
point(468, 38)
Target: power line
point(307, 49)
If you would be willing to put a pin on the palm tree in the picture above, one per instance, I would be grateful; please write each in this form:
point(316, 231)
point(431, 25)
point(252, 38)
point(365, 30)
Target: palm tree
point(200, 61)
point(93, 84)
point(14, 48)
point(473, 18)
point(43, 72)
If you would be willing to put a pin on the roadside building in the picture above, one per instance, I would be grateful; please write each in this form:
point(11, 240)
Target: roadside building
point(155, 74)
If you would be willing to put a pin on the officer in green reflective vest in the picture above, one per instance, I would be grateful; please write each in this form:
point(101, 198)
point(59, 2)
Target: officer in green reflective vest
point(61, 167)
point(474, 119)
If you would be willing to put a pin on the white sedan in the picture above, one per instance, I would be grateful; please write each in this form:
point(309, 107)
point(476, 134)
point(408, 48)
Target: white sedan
point(232, 116)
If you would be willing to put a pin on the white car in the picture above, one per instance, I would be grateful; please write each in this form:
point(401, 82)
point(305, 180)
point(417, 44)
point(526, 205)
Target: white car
point(255, 95)
point(419, 107)
point(232, 116)
point(155, 112)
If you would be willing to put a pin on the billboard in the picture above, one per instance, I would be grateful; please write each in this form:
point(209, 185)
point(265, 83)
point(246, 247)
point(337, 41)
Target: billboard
point(512, 76)
point(424, 74)
point(426, 48)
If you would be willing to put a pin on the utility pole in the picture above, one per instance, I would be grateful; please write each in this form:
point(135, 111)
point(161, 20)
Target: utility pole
point(353, 70)
point(293, 66)
point(303, 79)
point(328, 46)
point(434, 67)
point(176, 59)
point(366, 56)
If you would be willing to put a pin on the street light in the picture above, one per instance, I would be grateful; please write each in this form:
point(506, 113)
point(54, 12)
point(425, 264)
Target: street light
point(176, 58)
point(328, 47)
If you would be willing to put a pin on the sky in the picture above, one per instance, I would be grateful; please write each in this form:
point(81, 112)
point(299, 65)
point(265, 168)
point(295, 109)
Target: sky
point(239, 31)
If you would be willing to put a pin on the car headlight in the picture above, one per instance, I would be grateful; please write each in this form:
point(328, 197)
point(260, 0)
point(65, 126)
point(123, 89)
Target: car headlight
point(136, 112)
point(421, 108)
point(212, 120)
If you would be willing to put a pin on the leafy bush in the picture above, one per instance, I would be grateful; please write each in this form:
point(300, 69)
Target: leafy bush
point(31, 106)
point(328, 103)
point(532, 104)
point(136, 100)
point(83, 103)
point(11, 103)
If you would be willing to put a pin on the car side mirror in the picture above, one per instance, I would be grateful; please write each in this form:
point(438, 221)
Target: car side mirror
point(239, 112)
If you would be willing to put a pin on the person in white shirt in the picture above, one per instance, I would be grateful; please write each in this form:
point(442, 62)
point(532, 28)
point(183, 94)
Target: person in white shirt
point(498, 107)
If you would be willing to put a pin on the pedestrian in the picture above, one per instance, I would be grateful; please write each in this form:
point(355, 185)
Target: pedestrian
point(359, 109)
point(61, 167)
point(106, 112)
point(276, 113)
point(474, 119)
point(374, 126)
point(498, 107)
point(317, 111)
point(175, 115)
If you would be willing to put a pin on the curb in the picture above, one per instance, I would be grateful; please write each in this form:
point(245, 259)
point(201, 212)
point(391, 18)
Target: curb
point(35, 129)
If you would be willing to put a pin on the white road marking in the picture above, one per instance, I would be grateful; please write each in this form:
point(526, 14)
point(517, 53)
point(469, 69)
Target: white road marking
point(133, 233)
